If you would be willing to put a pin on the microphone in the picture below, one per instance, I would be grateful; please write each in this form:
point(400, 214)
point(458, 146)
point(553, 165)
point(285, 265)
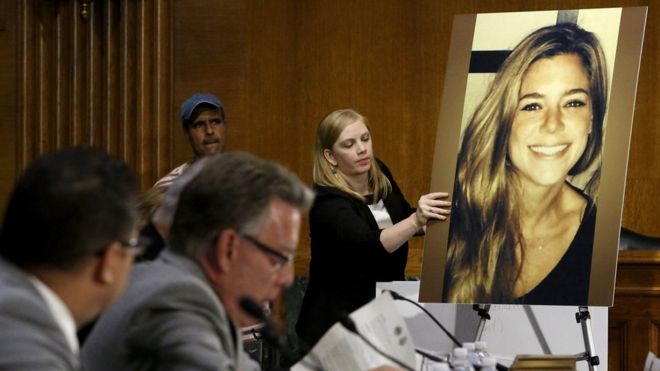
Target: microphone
point(430, 356)
point(348, 323)
point(397, 296)
point(269, 330)
point(253, 308)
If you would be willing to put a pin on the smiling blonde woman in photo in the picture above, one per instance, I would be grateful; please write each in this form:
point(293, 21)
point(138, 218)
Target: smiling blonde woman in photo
point(521, 231)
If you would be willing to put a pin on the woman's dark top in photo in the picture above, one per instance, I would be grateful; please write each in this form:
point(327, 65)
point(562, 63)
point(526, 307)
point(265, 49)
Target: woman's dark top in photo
point(568, 282)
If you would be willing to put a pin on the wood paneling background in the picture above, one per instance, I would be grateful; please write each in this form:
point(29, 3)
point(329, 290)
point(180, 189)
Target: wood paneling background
point(280, 66)
point(634, 321)
point(116, 81)
point(8, 98)
point(105, 82)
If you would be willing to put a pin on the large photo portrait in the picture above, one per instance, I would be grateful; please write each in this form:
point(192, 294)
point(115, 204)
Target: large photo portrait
point(545, 117)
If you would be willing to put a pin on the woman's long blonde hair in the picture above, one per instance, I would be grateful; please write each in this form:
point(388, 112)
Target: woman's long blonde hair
point(485, 231)
point(325, 174)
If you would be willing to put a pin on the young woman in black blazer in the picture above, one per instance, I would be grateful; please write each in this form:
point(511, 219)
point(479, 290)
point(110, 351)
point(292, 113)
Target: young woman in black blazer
point(360, 224)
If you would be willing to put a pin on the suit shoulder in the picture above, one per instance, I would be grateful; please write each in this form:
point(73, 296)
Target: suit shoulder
point(163, 285)
point(33, 339)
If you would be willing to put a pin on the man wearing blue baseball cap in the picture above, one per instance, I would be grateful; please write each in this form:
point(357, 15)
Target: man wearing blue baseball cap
point(203, 121)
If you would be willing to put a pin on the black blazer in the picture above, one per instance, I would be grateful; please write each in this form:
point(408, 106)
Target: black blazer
point(347, 257)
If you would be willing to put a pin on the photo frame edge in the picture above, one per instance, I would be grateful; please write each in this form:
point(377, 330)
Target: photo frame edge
point(616, 150)
point(444, 162)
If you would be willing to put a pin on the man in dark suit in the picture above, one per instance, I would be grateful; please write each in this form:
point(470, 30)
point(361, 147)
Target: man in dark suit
point(234, 235)
point(67, 244)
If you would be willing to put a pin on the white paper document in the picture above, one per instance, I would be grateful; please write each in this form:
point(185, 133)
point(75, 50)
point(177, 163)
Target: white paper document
point(380, 322)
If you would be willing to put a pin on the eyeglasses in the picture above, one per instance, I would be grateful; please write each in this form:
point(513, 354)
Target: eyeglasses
point(136, 245)
point(282, 259)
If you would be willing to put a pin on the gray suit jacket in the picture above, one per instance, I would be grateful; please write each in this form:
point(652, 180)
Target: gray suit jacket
point(169, 318)
point(31, 339)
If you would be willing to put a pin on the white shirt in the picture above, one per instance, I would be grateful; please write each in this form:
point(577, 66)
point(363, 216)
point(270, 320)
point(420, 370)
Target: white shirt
point(381, 215)
point(168, 179)
point(60, 312)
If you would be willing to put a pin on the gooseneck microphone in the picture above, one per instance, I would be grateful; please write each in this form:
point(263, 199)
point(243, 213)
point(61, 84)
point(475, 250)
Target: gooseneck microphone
point(269, 330)
point(253, 308)
point(432, 357)
point(397, 296)
point(348, 323)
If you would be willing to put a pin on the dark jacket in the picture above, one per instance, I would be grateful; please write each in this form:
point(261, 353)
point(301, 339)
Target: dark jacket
point(347, 257)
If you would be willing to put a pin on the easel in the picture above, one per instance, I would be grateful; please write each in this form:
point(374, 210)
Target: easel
point(583, 318)
point(483, 317)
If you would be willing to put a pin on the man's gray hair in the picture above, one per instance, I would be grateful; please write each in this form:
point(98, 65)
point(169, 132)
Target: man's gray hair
point(233, 190)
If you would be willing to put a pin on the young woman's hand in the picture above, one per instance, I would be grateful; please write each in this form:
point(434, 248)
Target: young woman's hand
point(435, 205)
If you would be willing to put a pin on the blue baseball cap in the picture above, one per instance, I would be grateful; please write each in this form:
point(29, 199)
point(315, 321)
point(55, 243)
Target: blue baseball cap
point(195, 100)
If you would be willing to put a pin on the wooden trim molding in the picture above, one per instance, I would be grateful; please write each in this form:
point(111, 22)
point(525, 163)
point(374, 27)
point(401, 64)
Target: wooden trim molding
point(638, 273)
point(634, 320)
point(104, 81)
point(639, 257)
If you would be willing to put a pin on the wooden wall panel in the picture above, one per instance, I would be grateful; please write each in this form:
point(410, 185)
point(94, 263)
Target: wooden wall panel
point(8, 98)
point(210, 54)
point(117, 80)
point(279, 67)
point(634, 321)
point(104, 81)
point(364, 55)
point(616, 345)
point(243, 53)
point(641, 210)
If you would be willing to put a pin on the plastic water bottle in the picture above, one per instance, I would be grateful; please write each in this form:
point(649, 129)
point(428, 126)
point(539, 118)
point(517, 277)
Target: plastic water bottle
point(480, 349)
point(460, 360)
point(472, 356)
point(438, 366)
point(488, 363)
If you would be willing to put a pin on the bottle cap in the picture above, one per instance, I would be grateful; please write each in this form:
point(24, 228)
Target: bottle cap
point(460, 353)
point(469, 346)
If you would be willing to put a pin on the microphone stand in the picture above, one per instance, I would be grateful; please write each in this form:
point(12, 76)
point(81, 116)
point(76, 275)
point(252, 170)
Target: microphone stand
point(269, 331)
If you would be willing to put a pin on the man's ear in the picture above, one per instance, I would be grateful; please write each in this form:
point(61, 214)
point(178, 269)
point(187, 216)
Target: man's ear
point(220, 258)
point(105, 266)
point(330, 157)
